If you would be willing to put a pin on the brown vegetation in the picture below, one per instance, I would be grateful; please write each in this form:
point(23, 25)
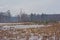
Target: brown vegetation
point(44, 31)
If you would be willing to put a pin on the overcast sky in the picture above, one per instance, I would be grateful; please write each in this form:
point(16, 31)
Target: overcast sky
point(35, 6)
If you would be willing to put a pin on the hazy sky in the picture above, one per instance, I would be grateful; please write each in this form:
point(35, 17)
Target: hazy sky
point(35, 6)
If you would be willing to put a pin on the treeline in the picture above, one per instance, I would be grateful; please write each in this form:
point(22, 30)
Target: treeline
point(5, 17)
point(23, 17)
point(39, 18)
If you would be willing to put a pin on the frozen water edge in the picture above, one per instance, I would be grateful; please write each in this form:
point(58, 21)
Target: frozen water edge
point(27, 26)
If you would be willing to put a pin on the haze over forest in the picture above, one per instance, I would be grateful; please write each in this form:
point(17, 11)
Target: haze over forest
point(30, 6)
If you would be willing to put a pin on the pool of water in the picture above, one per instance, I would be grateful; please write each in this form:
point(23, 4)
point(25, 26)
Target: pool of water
point(27, 26)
